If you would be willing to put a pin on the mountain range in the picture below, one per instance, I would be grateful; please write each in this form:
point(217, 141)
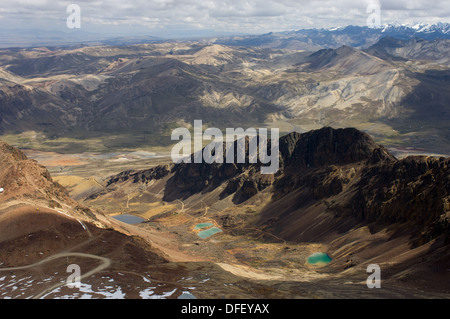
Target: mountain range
point(355, 36)
point(397, 90)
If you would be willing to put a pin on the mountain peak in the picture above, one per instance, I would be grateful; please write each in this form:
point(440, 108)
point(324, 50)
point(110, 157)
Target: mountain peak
point(327, 146)
point(8, 153)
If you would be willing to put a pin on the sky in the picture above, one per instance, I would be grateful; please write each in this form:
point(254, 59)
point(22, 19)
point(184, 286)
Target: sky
point(172, 18)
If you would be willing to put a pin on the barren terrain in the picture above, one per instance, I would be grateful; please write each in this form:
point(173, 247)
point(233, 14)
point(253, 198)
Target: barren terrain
point(256, 255)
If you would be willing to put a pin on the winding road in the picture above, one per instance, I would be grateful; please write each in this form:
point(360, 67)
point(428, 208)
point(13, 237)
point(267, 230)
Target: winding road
point(106, 262)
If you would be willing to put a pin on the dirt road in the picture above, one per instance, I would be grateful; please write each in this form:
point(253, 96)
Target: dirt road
point(106, 262)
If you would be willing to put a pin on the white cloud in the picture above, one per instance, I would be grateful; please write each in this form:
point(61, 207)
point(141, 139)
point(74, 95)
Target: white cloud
point(243, 16)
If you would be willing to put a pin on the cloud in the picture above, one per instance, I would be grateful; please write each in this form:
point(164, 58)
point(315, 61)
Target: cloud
point(243, 16)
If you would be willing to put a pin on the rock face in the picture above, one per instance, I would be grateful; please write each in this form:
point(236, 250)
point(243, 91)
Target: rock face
point(319, 148)
point(326, 146)
point(25, 180)
point(359, 179)
point(157, 172)
point(415, 191)
point(20, 176)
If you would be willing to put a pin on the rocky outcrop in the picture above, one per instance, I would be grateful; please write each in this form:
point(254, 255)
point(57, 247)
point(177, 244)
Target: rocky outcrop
point(154, 173)
point(356, 180)
point(20, 176)
point(25, 179)
point(327, 146)
point(415, 191)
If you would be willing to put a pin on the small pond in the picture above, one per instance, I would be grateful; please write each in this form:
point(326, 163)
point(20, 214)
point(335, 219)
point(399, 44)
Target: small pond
point(203, 225)
point(209, 232)
point(319, 258)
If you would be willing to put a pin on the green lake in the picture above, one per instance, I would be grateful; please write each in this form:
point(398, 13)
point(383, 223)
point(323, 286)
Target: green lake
point(203, 225)
point(209, 232)
point(318, 258)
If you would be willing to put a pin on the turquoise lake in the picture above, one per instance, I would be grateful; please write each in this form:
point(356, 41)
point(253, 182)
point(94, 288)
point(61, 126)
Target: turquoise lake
point(209, 232)
point(203, 225)
point(317, 258)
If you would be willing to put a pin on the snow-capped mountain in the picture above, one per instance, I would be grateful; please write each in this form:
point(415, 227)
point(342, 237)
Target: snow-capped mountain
point(440, 27)
point(355, 36)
